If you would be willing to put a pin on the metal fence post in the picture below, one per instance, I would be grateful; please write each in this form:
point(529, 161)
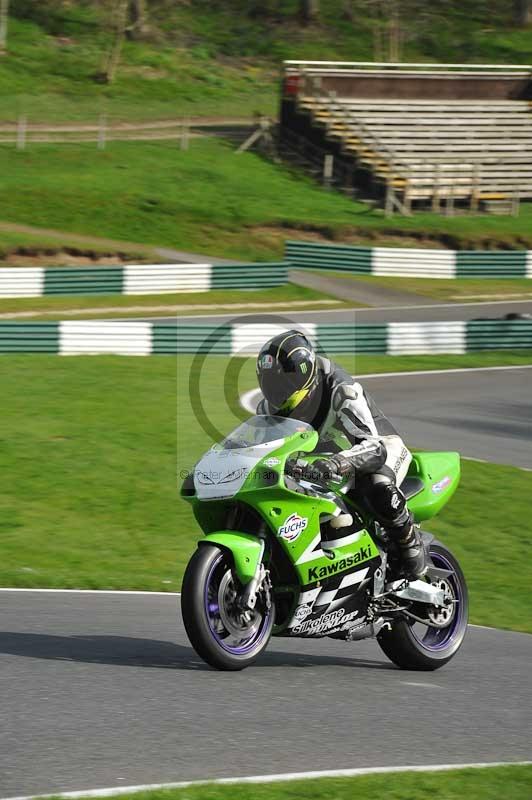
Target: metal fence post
point(449, 207)
point(102, 132)
point(328, 167)
point(475, 199)
point(185, 135)
point(21, 132)
point(436, 189)
point(388, 206)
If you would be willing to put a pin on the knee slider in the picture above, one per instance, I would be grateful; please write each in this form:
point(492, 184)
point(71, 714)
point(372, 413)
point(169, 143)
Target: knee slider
point(389, 503)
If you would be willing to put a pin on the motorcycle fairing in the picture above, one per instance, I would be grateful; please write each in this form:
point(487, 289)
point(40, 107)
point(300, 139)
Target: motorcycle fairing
point(440, 473)
point(222, 473)
point(245, 548)
point(334, 607)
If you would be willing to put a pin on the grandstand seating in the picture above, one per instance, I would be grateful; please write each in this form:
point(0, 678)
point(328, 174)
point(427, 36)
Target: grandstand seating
point(420, 150)
point(426, 149)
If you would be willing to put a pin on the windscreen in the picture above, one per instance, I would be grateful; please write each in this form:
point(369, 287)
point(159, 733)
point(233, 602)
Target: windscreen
point(263, 429)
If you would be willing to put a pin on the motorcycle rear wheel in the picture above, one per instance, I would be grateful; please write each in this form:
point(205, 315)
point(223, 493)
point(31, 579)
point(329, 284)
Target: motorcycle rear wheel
point(218, 630)
point(430, 648)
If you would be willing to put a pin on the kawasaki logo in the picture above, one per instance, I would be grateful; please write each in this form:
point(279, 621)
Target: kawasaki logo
point(317, 573)
point(292, 527)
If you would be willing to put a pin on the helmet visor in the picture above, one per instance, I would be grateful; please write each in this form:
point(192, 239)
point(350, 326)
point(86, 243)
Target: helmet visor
point(284, 390)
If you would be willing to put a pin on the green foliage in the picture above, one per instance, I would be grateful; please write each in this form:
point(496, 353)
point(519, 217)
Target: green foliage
point(221, 57)
point(77, 307)
point(92, 453)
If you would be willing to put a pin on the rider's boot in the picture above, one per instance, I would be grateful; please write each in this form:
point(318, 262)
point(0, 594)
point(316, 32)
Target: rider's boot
point(412, 552)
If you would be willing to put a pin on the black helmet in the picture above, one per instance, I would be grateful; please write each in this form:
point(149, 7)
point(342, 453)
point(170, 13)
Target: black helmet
point(287, 371)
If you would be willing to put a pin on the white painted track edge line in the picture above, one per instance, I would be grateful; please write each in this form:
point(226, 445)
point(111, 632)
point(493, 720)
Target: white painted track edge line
point(124, 592)
point(246, 399)
point(455, 370)
point(364, 309)
point(275, 778)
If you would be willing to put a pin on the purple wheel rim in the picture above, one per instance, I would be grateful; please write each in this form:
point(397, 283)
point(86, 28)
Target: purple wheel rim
point(212, 611)
point(437, 639)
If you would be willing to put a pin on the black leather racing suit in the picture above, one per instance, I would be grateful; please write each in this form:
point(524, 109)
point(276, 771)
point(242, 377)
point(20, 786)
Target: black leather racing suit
point(350, 425)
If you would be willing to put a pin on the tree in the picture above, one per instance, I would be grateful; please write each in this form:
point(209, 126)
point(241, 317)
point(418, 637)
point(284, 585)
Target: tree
point(4, 11)
point(118, 18)
point(138, 19)
point(123, 18)
point(523, 12)
point(309, 10)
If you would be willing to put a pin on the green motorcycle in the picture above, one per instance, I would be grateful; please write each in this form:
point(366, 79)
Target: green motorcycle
point(289, 556)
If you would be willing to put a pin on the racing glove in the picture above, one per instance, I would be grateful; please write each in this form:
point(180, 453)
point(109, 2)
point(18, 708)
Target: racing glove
point(331, 468)
point(363, 458)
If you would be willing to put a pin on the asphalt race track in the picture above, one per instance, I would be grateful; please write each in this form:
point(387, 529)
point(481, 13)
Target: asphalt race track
point(482, 413)
point(104, 690)
point(443, 312)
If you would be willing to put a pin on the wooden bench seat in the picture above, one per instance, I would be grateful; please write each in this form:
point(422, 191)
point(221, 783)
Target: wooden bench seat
point(428, 148)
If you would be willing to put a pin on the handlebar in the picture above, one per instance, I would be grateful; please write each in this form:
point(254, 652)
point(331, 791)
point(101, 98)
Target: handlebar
point(299, 469)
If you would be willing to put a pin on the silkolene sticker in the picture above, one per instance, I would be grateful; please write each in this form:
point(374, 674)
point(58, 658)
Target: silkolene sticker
point(292, 527)
point(441, 485)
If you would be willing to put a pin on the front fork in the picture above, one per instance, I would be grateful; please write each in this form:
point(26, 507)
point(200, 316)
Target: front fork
point(260, 581)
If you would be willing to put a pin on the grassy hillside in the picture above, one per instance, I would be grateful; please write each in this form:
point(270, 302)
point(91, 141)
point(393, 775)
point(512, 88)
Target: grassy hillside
point(205, 57)
point(212, 200)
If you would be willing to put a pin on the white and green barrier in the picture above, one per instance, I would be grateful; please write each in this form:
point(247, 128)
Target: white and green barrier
point(156, 338)
point(139, 279)
point(402, 262)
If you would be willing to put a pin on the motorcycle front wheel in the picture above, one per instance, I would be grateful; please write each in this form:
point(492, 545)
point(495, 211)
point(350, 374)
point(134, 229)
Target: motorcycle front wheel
point(414, 646)
point(221, 633)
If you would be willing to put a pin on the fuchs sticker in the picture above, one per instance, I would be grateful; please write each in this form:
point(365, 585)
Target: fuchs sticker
point(272, 462)
point(266, 362)
point(292, 527)
point(441, 485)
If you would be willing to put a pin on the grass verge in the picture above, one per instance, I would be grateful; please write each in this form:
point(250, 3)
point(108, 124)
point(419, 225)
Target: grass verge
point(92, 446)
point(23, 246)
point(209, 199)
point(89, 306)
point(459, 289)
point(489, 783)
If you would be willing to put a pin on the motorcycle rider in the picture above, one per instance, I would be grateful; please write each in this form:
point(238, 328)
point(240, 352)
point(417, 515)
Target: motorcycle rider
point(358, 440)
